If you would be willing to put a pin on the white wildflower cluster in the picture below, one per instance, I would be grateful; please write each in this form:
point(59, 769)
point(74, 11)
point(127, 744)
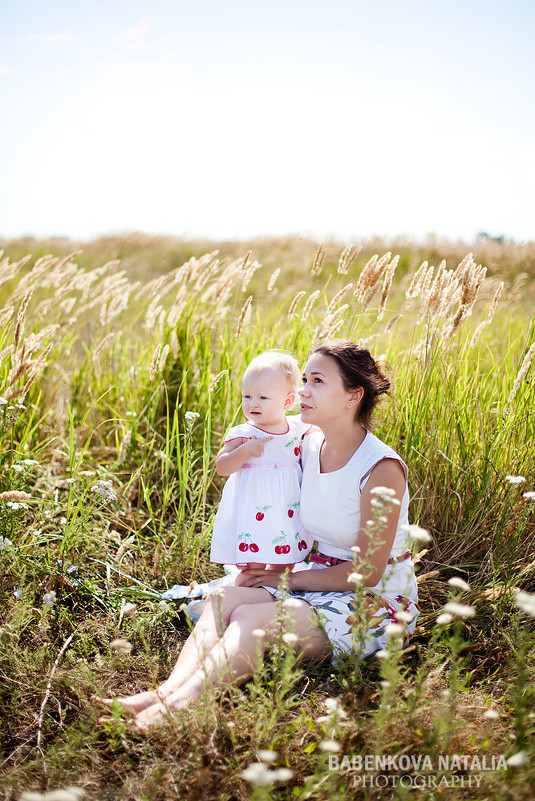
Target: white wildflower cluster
point(526, 602)
point(16, 505)
point(459, 583)
point(5, 544)
point(290, 638)
point(459, 610)
point(382, 496)
point(27, 462)
point(416, 533)
point(334, 710)
point(3, 402)
point(190, 418)
point(260, 774)
point(515, 479)
point(530, 496)
point(49, 599)
point(105, 490)
point(121, 646)
point(66, 794)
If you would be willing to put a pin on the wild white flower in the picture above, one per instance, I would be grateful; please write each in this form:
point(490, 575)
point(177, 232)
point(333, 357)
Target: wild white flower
point(457, 581)
point(105, 490)
point(70, 480)
point(354, 578)
point(394, 630)
point(526, 602)
point(459, 610)
point(416, 533)
point(290, 638)
point(120, 645)
point(15, 505)
point(383, 492)
point(529, 495)
point(27, 462)
point(515, 479)
point(404, 617)
point(491, 714)
point(444, 619)
point(518, 759)
point(18, 468)
point(291, 603)
point(67, 794)
point(386, 684)
point(5, 544)
point(355, 548)
point(128, 609)
point(258, 773)
point(259, 633)
point(382, 654)
point(3, 402)
point(162, 604)
point(267, 756)
point(49, 599)
point(330, 746)
point(217, 592)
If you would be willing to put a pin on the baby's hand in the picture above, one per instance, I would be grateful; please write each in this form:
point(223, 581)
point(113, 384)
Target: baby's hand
point(256, 446)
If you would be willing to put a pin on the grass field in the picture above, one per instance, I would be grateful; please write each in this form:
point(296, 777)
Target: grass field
point(108, 492)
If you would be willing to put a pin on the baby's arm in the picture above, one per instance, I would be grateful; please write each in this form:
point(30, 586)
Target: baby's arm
point(236, 452)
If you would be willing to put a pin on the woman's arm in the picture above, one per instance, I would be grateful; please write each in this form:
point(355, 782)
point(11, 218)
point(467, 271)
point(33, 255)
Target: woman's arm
point(236, 452)
point(374, 550)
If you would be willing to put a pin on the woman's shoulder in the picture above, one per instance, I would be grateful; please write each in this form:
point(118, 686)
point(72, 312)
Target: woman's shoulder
point(374, 450)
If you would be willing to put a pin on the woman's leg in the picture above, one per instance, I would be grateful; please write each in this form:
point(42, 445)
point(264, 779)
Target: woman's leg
point(209, 628)
point(235, 656)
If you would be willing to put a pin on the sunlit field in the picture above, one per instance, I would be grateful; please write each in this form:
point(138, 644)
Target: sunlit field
point(120, 366)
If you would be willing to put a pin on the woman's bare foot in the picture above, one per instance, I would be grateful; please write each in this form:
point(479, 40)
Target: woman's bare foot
point(132, 703)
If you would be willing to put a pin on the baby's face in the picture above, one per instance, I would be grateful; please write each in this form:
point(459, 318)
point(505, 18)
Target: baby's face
point(265, 397)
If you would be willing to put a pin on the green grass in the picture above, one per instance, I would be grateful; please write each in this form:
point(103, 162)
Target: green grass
point(101, 409)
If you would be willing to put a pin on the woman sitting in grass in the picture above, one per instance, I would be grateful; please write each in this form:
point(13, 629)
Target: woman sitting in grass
point(354, 501)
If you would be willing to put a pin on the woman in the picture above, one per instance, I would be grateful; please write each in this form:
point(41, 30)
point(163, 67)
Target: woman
point(345, 472)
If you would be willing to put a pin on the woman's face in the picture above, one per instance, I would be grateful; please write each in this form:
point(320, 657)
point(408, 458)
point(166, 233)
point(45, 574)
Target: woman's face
point(324, 398)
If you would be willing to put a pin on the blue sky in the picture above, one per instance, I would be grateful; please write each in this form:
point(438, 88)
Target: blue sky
point(235, 119)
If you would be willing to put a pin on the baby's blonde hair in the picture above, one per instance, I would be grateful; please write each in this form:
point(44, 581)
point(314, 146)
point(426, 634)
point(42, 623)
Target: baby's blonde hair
point(280, 360)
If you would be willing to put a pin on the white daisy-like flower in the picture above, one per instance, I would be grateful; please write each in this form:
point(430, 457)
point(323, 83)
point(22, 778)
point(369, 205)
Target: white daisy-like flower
point(290, 638)
point(259, 633)
point(526, 602)
point(291, 603)
point(416, 533)
point(5, 543)
point(330, 746)
point(381, 654)
point(459, 610)
point(491, 714)
point(394, 630)
point(121, 646)
point(444, 619)
point(265, 755)
point(128, 609)
point(386, 684)
point(49, 599)
point(354, 578)
point(355, 548)
point(404, 617)
point(518, 759)
point(461, 584)
point(515, 479)
point(529, 495)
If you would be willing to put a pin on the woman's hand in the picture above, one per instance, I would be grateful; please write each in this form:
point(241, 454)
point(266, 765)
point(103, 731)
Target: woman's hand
point(258, 577)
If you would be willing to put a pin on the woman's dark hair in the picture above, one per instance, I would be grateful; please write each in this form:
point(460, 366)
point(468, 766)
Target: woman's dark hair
point(358, 368)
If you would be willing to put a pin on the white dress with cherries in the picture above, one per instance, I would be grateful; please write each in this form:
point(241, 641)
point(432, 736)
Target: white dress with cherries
point(258, 518)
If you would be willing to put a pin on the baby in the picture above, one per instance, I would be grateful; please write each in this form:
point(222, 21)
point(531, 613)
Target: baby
point(258, 522)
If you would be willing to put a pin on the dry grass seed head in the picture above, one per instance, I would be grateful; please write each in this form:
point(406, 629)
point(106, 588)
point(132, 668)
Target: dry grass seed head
point(295, 301)
point(215, 381)
point(347, 258)
point(309, 304)
point(338, 297)
point(524, 367)
point(154, 361)
point(243, 313)
point(387, 283)
point(318, 260)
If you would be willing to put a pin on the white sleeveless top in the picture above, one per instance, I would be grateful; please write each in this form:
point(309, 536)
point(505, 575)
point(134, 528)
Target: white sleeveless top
point(330, 507)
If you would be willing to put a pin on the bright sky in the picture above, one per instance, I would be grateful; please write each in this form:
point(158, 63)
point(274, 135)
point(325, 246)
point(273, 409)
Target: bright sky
point(237, 118)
